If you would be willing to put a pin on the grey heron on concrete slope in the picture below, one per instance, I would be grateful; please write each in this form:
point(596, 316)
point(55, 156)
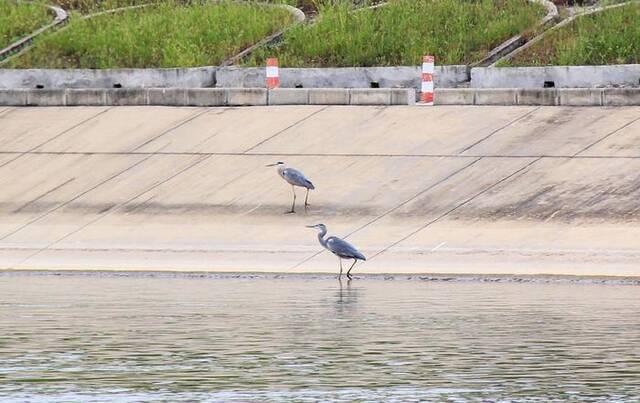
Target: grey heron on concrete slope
point(294, 178)
point(339, 247)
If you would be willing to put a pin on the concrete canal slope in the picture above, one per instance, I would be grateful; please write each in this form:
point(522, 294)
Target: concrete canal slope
point(451, 189)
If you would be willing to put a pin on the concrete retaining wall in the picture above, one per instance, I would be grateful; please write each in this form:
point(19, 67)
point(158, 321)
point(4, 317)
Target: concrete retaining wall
point(627, 75)
point(318, 96)
point(228, 77)
point(343, 77)
point(546, 96)
point(349, 77)
point(109, 78)
point(205, 97)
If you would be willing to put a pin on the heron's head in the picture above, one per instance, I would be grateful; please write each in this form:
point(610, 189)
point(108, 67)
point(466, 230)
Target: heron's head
point(319, 227)
point(276, 164)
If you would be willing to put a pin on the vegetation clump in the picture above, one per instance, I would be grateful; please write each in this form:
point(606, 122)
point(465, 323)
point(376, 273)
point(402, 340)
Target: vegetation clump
point(608, 37)
point(168, 34)
point(17, 20)
point(455, 31)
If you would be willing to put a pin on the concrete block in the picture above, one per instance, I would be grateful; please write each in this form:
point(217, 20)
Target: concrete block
point(194, 77)
point(329, 96)
point(289, 96)
point(496, 96)
point(580, 96)
point(454, 96)
point(403, 96)
point(44, 97)
point(370, 96)
point(167, 96)
point(341, 77)
point(206, 97)
point(126, 96)
point(246, 96)
point(13, 97)
point(538, 96)
point(85, 97)
point(560, 76)
point(621, 96)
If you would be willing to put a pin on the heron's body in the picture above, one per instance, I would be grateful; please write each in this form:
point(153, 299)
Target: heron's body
point(339, 247)
point(343, 249)
point(294, 178)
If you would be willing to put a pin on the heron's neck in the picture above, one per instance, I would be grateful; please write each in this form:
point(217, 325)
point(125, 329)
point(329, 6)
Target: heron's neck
point(321, 239)
point(281, 169)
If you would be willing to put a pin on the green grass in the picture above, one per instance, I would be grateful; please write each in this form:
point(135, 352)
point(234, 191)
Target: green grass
point(20, 19)
point(91, 6)
point(609, 37)
point(166, 35)
point(455, 31)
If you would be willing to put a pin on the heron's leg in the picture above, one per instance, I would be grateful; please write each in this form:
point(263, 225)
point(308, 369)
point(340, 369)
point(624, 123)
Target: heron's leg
point(349, 271)
point(293, 205)
point(306, 198)
point(340, 275)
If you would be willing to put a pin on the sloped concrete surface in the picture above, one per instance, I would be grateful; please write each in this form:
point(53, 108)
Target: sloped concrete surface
point(450, 189)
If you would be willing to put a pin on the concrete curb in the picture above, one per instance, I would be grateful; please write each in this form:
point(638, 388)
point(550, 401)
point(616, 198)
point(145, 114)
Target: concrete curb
point(317, 96)
point(539, 96)
point(206, 96)
point(607, 76)
point(339, 77)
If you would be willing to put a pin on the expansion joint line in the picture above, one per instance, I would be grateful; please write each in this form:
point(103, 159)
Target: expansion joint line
point(115, 208)
point(519, 118)
point(65, 131)
point(467, 201)
point(76, 197)
point(172, 128)
point(6, 111)
point(285, 129)
point(606, 136)
point(115, 175)
point(391, 210)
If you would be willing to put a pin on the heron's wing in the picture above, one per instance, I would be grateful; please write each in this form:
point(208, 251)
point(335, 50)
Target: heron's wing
point(295, 177)
point(343, 248)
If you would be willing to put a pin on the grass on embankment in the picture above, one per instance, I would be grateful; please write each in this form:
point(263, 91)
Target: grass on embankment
point(166, 35)
point(609, 37)
point(17, 20)
point(401, 33)
point(91, 6)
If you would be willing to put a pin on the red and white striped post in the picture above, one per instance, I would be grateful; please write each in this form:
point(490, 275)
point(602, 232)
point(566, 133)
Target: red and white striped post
point(273, 75)
point(426, 90)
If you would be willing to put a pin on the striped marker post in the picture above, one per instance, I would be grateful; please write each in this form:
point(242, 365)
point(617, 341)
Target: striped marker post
point(273, 75)
point(426, 91)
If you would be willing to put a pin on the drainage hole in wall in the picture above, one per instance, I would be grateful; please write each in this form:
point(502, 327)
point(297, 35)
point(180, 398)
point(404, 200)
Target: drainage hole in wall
point(299, 86)
point(549, 84)
point(39, 86)
point(117, 85)
point(374, 84)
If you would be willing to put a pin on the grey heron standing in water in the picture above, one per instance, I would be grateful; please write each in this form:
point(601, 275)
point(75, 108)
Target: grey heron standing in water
point(294, 178)
point(339, 247)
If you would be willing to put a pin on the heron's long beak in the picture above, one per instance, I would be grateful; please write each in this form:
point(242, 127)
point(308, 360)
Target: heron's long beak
point(310, 226)
point(271, 165)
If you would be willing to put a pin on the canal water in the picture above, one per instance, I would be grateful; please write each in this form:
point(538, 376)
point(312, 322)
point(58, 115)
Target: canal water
point(130, 338)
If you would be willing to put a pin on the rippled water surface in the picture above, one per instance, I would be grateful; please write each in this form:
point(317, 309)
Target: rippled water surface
point(145, 338)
